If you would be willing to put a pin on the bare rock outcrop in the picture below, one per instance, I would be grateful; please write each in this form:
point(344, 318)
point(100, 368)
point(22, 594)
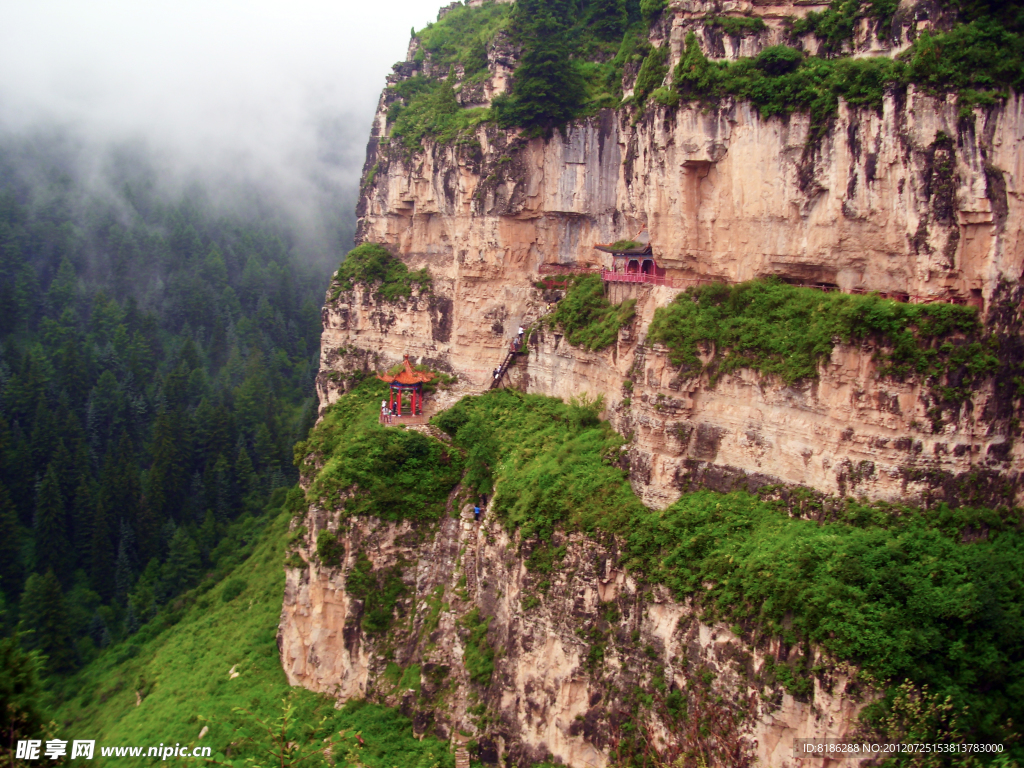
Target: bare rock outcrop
point(914, 199)
point(585, 658)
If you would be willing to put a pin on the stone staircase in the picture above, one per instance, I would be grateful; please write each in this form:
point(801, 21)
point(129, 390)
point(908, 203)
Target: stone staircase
point(461, 756)
point(510, 357)
point(471, 558)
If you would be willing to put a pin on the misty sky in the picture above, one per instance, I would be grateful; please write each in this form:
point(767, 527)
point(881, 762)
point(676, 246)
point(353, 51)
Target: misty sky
point(277, 92)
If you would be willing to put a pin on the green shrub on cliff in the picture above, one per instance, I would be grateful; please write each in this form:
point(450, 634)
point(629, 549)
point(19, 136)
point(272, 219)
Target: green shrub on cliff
point(462, 35)
point(652, 74)
point(430, 109)
point(588, 319)
point(980, 61)
point(930, 596)
point(908, 594)
point(373, 264)
point(788, 331)
point(546, 461)
point(368, 469)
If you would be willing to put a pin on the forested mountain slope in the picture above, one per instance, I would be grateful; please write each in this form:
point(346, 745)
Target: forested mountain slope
point(156, 362)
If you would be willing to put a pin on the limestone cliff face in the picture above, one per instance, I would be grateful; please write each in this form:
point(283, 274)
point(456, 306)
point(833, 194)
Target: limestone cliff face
point(582, 663)
point(916, 199)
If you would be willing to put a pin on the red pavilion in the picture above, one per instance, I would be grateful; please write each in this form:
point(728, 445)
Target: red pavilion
point(407, 380)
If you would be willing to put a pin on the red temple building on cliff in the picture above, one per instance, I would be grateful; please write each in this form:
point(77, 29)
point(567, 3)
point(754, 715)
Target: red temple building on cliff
point(407, 380)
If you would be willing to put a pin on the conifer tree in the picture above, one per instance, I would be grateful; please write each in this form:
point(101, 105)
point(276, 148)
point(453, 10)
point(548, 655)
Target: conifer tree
point(52, 549)
point(61, 292)
point(183, 564)
point(82, 506)
point(266, 452)
point(120, 487)
point(10, 547)
point(101, 552)
point(44, 435)
point(67, 472)
point(244, 472)
point(20, 717)
point(131, 621)
point(167, 476)
point(73, 375)
point(97, 629)
point(124, 569)
point(44, 622)
point(547, 88)
point(222, 488)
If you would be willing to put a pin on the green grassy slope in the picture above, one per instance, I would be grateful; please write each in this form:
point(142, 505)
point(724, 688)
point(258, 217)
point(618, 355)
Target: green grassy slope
point(182, 676)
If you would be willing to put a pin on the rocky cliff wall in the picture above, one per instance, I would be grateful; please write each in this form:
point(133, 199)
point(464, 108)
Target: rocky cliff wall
point(585, 659)
point(916, 199)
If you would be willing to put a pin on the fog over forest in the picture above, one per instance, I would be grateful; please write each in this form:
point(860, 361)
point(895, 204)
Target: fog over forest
point(268, 101)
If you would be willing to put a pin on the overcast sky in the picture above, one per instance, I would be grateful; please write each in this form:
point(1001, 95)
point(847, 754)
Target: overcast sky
point(273, 90)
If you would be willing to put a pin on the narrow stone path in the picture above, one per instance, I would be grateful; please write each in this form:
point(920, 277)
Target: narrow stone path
point(470, 560)
point(461, 757)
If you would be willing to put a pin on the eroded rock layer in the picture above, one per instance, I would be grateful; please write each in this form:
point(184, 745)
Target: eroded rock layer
point(584, 658)
point(916, 199)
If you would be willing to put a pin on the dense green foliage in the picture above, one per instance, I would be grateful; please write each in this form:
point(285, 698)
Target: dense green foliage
point(835, 25)
point(979, 61)
point(373, 470)
point(156, 366)
point(574, 56)
point(373, 264)
point(548, 86)
point(428, 108)
point(462, 36)
point(479, 655)
point(652, 73)
point(588, 319)
point(20, 712)
point(896, 590)
point(932, 596)
point(571, 63)
point(379, 592)
point(545, 461)
point(787, 331)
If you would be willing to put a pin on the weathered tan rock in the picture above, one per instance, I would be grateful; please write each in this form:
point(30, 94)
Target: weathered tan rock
point(902, 201)
point(913, 199)
point(569, 658)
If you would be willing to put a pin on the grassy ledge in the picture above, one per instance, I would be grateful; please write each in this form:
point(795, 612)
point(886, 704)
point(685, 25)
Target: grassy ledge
point(787, 331)
point(373, 264)
point(586, 317)
point(930, 597)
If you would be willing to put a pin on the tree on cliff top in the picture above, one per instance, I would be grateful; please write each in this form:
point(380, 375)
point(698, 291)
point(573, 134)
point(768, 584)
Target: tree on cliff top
point(372, 263)
point(548, 89)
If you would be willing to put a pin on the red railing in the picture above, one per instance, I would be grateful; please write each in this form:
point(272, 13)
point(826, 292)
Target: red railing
point(645, 277)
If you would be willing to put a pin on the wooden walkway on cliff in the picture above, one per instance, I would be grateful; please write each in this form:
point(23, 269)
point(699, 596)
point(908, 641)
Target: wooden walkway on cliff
point(682, 283)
